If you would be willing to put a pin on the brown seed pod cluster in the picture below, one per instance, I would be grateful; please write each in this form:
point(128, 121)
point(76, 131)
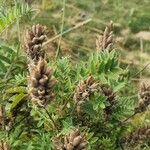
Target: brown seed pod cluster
point(40, 80)
point(41, 83)
point(144, 98)
point(6, 123)
point(85, 89)
point(34, 40)
point(58, 143)
point(4, 145)
point(137, 137)
point(107, 91)
point(104, 42)
point(73, 141)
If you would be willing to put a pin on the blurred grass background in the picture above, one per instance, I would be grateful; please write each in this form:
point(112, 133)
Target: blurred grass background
point(131, 28)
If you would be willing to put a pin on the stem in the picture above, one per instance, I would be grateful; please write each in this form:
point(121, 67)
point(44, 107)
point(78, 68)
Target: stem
point(18, 29)
point(43, 4)
point(121, 146)
point(61, 31)
point(51, 119)
point(145, 67)
point(121, 123)
point(128, 118)
point(9, 70)
point(141, 51)
point(18, 26)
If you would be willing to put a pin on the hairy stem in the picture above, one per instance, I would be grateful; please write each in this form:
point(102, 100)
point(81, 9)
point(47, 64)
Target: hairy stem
point(128, 118)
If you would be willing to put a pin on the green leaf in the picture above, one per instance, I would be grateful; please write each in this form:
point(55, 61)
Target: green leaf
point(67, 122)
point(12, 14)
point(112, 75)
point(67, 126)
point(2, 67)
point(98, 102)
point(5, 59)
point(17, 100)
point(103, 78)
point(14, 90)
point(94, 140)
point(88, 109)
point(119, 86)
point(6, 48)
point(101, 67)
point(108, 65)
point(102, 105)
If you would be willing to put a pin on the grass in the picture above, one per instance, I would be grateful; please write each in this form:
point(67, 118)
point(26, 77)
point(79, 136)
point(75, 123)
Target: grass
point(129, 17)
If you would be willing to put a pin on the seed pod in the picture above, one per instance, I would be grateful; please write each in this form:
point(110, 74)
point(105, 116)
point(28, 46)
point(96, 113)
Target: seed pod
point(57, 141)
point(34, 82)
point(76, 140)
point(137, 137)
point(42, 38)
point(33, 42)
point(85, 89)
point(107, 91)
point(72, 141)
point(43, 80)
point(34, 91)
point(4, 145)
point(144, 99)
point(40, 83)
point(104, 42)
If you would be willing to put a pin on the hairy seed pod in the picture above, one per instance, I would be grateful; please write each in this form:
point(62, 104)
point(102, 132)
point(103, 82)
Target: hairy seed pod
point(73, 141)
point(33, 42)
point(104, 42)
point(107, 91)
point(40, 83)
point(144, 99)
point(85, 89)
point(77, 140)
point(137, 137)
point(4, 145)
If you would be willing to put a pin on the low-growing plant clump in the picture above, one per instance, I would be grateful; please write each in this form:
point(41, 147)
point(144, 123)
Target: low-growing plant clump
point(60, 105)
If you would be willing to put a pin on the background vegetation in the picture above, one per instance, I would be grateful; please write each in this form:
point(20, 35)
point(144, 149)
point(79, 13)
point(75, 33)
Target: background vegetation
point(72, 29)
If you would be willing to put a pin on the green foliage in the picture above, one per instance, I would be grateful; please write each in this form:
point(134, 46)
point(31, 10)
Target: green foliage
point(9, 16)
point(33, 128)
point(41, 129)
point(11, 62)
